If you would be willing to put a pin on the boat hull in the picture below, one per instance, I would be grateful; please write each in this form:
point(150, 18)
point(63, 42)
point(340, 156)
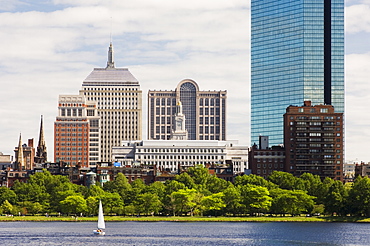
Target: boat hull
point(99, 233)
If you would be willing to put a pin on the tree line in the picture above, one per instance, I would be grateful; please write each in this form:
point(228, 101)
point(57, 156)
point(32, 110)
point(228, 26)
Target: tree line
point(194, 192)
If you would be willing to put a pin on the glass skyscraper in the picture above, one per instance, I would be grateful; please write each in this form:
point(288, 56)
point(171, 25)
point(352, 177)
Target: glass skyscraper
point(297, 55)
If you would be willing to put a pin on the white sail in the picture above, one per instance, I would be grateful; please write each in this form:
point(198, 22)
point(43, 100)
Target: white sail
point(101, 223)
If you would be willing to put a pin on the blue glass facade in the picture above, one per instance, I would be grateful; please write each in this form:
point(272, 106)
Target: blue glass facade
point(297, 55)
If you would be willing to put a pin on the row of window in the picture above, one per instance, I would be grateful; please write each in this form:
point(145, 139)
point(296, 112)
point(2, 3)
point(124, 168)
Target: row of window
point(201, 137)
point(71, 139)
point(73, 149)
point(179, 150)
point(70, 144)
point(182, 157)
point(110, 89)
point(276, 165)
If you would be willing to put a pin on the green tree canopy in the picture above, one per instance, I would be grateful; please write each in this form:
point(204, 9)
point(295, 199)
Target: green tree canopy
point(7, 194)
point(74, 204)
point(213, 203)
point(293, 202)
point(254, 180)
point(359, 197)
point(148, 203)
point(232, 199)
point(286, 181)
point(256, 199)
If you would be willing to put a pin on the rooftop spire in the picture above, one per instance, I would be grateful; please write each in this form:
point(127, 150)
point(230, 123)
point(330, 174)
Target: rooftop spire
point(19, 164)
point(41, 154)
point(110, 63)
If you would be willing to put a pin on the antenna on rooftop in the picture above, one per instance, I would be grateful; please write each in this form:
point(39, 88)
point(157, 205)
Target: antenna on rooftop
point(110, 35)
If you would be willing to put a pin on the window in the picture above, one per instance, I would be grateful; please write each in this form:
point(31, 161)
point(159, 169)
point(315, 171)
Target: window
point(90, 112)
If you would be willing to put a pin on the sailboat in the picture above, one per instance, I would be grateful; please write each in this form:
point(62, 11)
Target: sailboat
point(101, 223)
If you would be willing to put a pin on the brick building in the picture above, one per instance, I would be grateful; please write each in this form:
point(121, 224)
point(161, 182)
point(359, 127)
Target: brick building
point(313, 140)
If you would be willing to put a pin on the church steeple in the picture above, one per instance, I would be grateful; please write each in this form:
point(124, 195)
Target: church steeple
point(19, 161)
point(41, 154)
point(110, 62)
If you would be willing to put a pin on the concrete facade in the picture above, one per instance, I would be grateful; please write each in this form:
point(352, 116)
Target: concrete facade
point(205, 112)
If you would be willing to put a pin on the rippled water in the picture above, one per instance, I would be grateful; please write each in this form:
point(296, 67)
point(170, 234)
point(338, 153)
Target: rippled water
point(180, 233)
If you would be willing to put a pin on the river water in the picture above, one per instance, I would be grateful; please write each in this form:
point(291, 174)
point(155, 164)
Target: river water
point(185, 233)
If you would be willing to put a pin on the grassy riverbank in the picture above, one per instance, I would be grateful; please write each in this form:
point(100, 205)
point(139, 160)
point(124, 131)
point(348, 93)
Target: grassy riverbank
point(187, 219)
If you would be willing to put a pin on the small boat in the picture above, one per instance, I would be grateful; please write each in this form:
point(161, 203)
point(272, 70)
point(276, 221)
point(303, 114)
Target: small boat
point(101, 223)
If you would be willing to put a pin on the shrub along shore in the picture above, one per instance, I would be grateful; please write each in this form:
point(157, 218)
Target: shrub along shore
point(184, 219)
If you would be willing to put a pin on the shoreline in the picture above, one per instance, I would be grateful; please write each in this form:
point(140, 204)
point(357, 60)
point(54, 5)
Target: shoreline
point(182, 219)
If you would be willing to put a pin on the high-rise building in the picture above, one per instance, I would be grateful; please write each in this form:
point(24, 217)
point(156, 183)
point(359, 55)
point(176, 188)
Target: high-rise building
point(314, 140)
point(297, 55)
point(119, 104)
point(204, 111)
point(77, 131)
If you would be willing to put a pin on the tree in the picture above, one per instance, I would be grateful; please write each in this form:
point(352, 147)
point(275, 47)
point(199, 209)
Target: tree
point(216, 185)
point(148, 203)
point(254, 180)
point(7, 194)
point(291, 202)
point(6, 207)
point(359, 197)
point(186, 180)
point(185, 201)
point(200, 175)
point(30, 192)
point(121, 186)
point(112, 203)
point(92, 203)
point(336, 199)
point(286, 181)
point(314, 186)
point(31, 207)
point(95, 190)
point(75, 204)
point(129, 210)
point(213, 203)
point(232, 200)
point(256, 199)
point(157, 188)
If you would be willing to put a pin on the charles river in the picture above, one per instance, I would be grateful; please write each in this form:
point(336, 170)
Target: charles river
point(185, 233)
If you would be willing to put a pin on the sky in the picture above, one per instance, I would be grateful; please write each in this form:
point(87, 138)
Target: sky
point(48, 47)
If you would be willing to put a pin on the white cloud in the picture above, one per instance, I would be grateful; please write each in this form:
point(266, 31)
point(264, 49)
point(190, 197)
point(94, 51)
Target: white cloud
point(6, 5)
point(358, 18)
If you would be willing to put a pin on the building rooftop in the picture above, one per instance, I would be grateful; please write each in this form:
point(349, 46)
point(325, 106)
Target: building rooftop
point(180, 143)
point(110, 76)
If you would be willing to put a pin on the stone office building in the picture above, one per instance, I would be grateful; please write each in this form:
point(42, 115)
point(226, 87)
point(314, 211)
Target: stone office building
point(204, 111)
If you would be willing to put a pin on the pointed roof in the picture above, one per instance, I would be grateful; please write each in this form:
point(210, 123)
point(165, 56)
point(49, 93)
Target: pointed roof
point(41, 135)
point(20, 162)
point(41, 154)
point(110, 75)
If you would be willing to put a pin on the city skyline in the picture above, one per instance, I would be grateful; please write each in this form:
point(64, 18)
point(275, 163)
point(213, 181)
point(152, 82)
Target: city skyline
point(48, 49)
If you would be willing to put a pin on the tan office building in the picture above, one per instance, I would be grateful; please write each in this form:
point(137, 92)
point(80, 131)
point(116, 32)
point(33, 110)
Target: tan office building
point(119, 104)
